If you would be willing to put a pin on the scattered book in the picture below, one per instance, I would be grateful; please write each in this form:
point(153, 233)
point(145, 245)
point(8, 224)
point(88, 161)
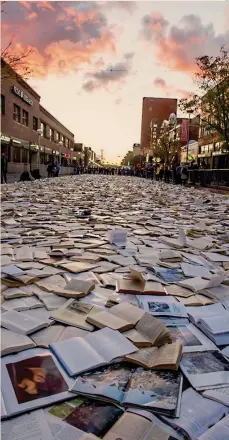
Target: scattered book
point(220, 395)
point(197, 414)
point(190, 337)
point(21, 304)
point(21, 323)
point(166, 357)
point(162, 306)
point(32, 379)
point(43, 338)
point(78, 418)
point(137, 285)
point(73, 312)
point(205, 370)
point(75, 288)
point(95, 350)
point(216, 328)
point(12, 342)
point(219, 430)
point(149, 332)
point(121, 317)
point(156, 391)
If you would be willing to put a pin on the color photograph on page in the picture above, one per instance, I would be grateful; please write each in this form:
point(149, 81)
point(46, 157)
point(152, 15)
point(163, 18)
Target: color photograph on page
point(32, 379)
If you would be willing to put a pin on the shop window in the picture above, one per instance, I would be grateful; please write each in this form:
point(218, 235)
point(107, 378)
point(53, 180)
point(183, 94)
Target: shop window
point(3, 106)
point(35, 123)
point(25, 118)
point(16, 154)
point(17, 113)
point(24, 154)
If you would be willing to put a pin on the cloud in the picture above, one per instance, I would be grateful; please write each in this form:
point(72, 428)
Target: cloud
point(178, 46)
point(63, 35)
point(124, 5)
point(159, 82)
point(113, 73)
point(169, 89)
point(118, 101)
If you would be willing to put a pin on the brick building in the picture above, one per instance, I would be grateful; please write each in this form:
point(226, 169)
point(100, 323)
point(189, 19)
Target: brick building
point(154, 112)
point(22, 116)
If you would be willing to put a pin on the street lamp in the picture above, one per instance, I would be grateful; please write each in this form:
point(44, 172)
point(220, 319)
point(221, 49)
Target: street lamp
point(39, 132)
point(60, 145)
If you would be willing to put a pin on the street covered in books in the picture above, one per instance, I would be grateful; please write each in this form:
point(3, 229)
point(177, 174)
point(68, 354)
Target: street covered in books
point(114, 310)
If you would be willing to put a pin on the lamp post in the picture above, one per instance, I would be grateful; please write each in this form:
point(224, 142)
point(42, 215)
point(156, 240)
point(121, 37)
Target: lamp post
point(39, 132)
point(60, 145)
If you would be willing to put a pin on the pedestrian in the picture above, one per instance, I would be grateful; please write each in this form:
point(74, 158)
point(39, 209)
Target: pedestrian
point(4, 168)
point(178, 174)
point(166, 174)
point(184, 175)
point(50, 169)
point(56, 169)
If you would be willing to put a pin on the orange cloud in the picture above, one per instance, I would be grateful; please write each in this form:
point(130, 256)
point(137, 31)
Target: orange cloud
point(169, 89)
point(177, 47)
point(32, 15)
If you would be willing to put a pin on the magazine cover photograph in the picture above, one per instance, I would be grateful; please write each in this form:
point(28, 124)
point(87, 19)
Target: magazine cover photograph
point(109, 382)
point(36, 377)
point(155, 390)
point(88, 415)
point(207, 362)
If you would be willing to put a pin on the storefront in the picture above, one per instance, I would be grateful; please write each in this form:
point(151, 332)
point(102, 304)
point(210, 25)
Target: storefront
point(220, 157)
point(6, 146)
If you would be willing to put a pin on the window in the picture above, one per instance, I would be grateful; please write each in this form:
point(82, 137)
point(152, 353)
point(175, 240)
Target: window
point(63, 140)
point(51, 134)
point(3, 105)
point(57, 137)
point(17, 113)
point(43, 129)
point(35, 124)
point(24, 155)
point(17, 154)
point(68, 143)
point(25, 118)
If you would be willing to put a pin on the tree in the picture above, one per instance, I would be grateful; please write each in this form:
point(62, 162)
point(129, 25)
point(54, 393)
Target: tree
point(212, 100)
point(14, 62)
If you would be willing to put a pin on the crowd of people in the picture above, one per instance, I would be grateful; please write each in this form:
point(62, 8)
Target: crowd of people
point(175, 173)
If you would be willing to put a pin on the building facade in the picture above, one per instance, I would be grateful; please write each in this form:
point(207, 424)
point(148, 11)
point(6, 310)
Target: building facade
point(154, 112)
point(212, 154)
point(29, 133)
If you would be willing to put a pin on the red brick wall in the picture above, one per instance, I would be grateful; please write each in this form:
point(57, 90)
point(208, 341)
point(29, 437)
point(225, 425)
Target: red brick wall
point(161, 109)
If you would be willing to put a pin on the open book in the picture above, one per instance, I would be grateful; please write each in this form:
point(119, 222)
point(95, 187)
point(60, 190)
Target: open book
point(133, 426)
point(55, 333)
point(197, 415)
point(148, 332)
point(32, 379)
point(157, 391)
point(137, 284)
point(77, 418)
point(216, 328)
point(196, 284)
point(166, 357)
point(121, 317)
point(12, 342)
point(219, 431)
point(163, 306)
point(96, 349)
point(27, 426)
point(21, 322)
point(206, 369)
point(75, 313)
point(75, 288)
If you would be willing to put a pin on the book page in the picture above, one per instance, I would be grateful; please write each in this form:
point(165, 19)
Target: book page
point(106, 319)
point(151, 328)
point(144, 356)
point(61, 430)
point(218, 432)
point(12, 342)
point(47, 336)
point(137, 338)
point(218, 394)
point(26, 427)
point(129, 427)
point(168, 354)
point(110, 344)
point(130, 285)
point(128, 312)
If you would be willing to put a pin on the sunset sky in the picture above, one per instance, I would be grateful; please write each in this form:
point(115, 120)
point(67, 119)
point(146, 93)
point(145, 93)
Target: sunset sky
point(93, 62)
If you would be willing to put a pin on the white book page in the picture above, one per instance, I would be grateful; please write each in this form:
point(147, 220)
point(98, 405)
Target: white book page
point(219, 394)
point(12, 341)
point(225, 351)
point(218, 432)
point(216, 324)
point(197, 413)
point(61, 430)
point(26, 427)
point(20, 322)
point(198, 312)
point(191, 338)
point(110, 344)
point(78, 354)
point(47, 336)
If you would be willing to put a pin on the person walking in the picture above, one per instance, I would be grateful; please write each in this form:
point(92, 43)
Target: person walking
point(50, 169)
point(4, 168)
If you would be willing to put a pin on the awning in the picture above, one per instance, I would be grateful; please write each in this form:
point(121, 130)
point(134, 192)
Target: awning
point(5, 139)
